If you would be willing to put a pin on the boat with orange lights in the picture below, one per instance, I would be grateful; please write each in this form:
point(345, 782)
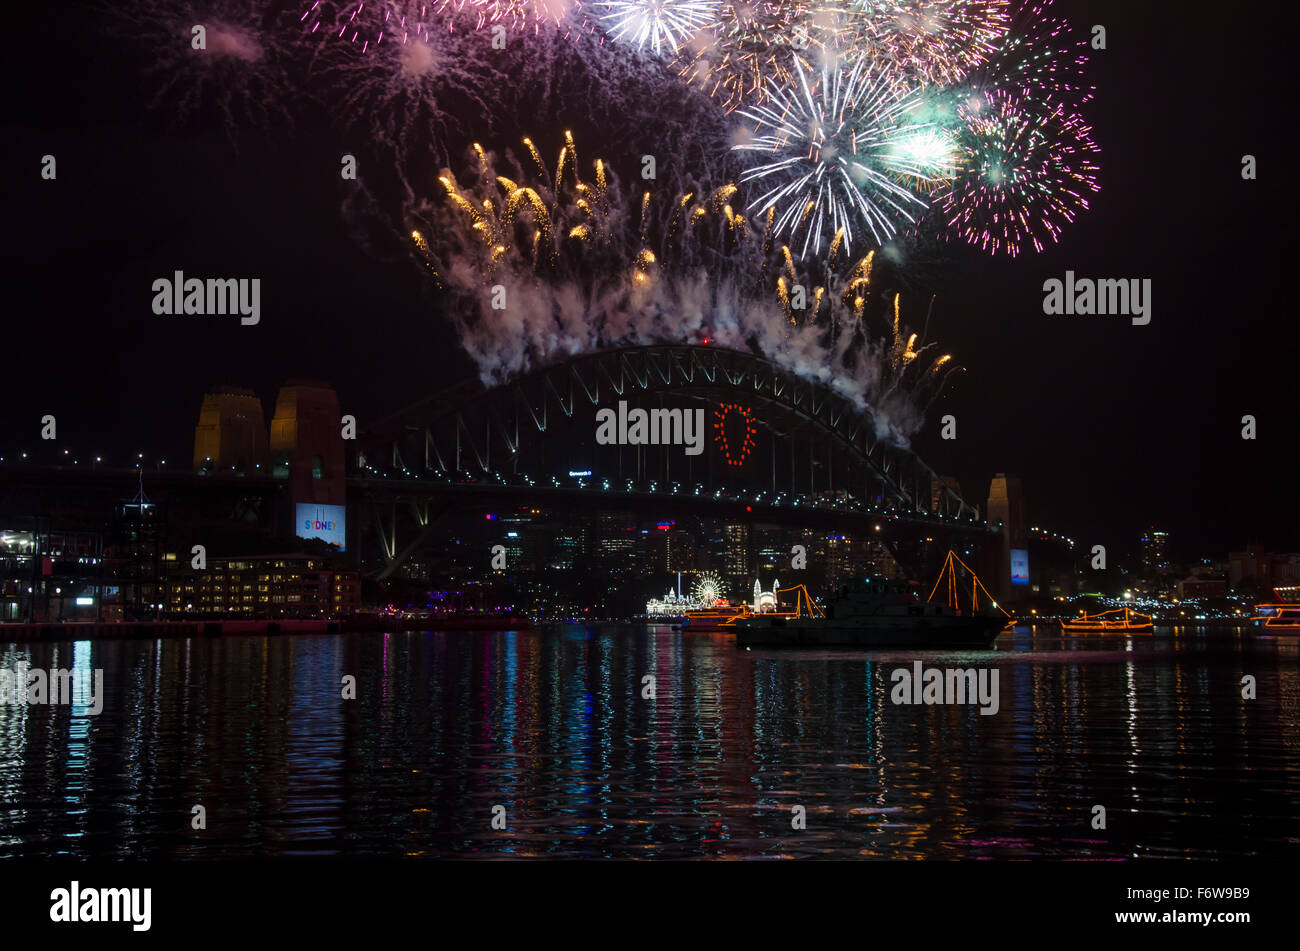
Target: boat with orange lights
point(877, 612)
point(1281, 617)
point(1117, 621)
point(874, 613)
point(713, 620)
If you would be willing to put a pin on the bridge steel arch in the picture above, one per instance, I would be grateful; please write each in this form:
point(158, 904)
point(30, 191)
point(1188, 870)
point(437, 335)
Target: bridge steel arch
point(473, 428)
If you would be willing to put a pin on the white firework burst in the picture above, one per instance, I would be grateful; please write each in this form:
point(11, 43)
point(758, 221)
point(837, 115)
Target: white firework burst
point(662, 25)
point(846, 150)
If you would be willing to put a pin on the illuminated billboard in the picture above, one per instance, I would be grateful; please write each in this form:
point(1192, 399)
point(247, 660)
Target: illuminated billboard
point(1019, 566)
point(326, 522)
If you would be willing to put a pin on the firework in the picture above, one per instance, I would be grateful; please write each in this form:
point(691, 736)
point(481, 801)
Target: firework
point(753, 47)
point(530, 14)
point(662, 26)
point(1026, 172)
point(548, 261)
point(405, 90)
point(1039, 58)
point(372, 23)
point(210, 55)
point(367, 23)
point(933, 41)
point(838, 150)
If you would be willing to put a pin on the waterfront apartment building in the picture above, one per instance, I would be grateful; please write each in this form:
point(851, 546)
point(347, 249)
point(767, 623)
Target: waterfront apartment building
point(265, 586)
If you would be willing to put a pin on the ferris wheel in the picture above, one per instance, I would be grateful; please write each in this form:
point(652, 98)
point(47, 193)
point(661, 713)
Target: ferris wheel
point(707, 589)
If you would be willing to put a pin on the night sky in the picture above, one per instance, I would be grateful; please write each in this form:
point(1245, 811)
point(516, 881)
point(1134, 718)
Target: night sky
point(1112, 426)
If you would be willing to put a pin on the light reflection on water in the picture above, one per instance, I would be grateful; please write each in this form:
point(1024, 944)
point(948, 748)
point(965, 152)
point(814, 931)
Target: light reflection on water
point(555, 728)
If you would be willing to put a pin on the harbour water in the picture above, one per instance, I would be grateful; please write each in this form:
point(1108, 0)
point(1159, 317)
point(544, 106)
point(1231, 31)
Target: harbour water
point(559, 729)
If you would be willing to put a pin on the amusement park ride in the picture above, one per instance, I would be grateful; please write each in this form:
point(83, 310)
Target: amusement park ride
point(705, 609)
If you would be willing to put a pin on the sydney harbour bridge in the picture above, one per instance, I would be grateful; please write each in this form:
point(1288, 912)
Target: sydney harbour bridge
point(779, 450)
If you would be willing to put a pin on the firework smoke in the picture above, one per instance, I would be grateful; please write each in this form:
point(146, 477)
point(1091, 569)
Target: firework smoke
point(405, 90)
point(548, 261)
point(211, 55)
point(372, 23)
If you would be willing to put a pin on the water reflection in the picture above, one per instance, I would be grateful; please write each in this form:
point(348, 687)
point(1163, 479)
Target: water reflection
point(588, 756)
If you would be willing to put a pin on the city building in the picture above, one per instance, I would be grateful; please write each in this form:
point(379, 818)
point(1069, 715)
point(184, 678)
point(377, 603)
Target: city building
point(736, 535)
point(1262, 570)
point(680, 550)
point(274, 586)
point(568, 543)
point(1201, 586)
point(1155, 557)
point(53, 576)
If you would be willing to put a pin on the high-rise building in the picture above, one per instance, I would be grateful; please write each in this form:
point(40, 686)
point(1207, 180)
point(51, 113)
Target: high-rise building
point(681, 551)
point(518, 536)
point(839, 561)
point(566, 544)
point(771, 550)
point(1154, 556)
point(712, 552)
point(654, 554)
point(737, 553)
point(617, 540)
